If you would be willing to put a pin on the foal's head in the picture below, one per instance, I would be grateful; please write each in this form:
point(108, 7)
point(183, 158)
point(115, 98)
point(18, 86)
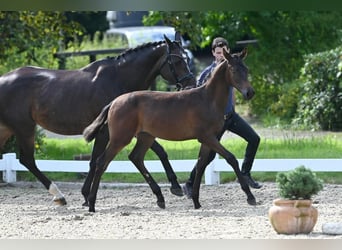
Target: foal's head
point(175, 67)
point(238, 73)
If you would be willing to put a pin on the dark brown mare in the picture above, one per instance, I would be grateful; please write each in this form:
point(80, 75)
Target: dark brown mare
point(66, 101)
point(190, 114)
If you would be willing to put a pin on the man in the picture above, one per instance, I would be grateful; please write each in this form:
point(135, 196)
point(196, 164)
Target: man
point(233, 122)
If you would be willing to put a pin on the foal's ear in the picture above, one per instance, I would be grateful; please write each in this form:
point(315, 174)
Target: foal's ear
point(226, 54)
point(243, 53)
point(178, 36)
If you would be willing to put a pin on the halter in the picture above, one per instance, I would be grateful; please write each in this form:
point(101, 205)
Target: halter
point(173, 70)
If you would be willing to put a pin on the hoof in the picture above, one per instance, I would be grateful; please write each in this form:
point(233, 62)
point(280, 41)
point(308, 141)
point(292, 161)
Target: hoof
point(197, 206)
point(161, 204)
point(91, 207)
point(60, 201)
point(177, 191)
point(85, 204)
point(252, 201)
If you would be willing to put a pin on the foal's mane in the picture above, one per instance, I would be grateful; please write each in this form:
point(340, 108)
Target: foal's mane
point(235, 56)
point(212, 73)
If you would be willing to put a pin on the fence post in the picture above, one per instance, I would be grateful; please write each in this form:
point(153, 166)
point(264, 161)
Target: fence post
point(212, 177)
point(61, 62)
point(9, 175)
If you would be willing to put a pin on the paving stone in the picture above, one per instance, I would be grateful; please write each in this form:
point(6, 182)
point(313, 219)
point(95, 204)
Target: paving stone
point(332, 228)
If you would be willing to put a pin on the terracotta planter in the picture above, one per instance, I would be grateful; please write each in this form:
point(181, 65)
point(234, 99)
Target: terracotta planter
point(293, 216)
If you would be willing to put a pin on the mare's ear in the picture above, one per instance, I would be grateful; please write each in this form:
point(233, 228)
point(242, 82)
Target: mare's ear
point(178, 36)
point(168, 41)
point(243, 53)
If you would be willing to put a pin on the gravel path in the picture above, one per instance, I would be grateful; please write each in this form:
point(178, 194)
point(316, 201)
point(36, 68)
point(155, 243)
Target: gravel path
point(130, 212)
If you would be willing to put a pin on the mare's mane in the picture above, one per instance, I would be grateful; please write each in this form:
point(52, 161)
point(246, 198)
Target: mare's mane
point(121, 56)
point(136, 49)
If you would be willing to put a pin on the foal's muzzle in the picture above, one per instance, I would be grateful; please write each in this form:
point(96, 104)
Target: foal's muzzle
point(248, 93)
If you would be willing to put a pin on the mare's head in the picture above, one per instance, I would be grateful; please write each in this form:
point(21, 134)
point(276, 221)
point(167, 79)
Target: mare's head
point(175, 67)
point(238, 73)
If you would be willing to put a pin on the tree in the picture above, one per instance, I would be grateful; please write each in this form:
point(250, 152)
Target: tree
point(284, 38)
point(91, 22)
point(24, 33)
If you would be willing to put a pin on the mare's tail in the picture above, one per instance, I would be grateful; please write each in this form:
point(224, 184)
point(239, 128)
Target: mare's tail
point(90, 132)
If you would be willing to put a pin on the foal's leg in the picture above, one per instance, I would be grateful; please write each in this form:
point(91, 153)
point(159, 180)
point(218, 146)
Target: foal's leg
point(215, 145)
point(199, 170)
point(100, 144)
point(101, 165)
point(171, 176)
point(144, 142)
point(26, 148)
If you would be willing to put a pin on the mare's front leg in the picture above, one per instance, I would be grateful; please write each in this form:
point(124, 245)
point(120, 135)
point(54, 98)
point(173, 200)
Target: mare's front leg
point(100, 144)
point(26, 157)
point(171, 176)
point(144, 142)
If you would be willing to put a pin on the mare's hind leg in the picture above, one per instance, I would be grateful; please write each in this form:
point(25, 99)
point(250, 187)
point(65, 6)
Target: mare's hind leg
point(144, 142)
point(100, 144)
point(5, 134)
point(171, 176)
point(26, 157)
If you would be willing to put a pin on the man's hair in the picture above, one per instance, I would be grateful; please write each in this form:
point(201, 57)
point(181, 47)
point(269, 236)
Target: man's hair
point(219, 42)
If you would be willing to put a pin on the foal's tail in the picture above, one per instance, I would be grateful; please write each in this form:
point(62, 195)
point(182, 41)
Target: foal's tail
point(90, 132)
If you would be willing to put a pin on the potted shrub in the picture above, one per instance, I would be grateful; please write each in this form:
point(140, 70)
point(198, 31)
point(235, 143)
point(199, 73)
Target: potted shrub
point(294, 213)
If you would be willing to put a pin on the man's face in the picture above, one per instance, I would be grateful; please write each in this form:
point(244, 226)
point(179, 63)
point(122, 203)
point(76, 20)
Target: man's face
point(218, 53)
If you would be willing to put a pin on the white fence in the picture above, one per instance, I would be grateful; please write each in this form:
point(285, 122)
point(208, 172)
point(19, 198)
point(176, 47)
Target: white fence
point(10, 165)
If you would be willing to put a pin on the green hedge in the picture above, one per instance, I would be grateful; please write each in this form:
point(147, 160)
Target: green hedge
point(320, 105)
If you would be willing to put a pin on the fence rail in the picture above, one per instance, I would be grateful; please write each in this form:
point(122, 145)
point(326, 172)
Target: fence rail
point(9, 165)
